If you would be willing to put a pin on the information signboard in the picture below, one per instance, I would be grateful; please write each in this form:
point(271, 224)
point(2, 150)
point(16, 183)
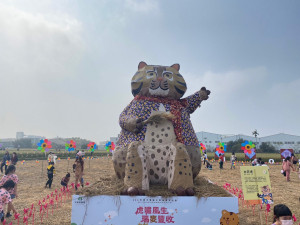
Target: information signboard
point(256, 185)
point(140, 210)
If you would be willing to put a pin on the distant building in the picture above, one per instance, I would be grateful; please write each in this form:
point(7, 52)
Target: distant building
point(113, 139)
point(279, 141)
point(101, 145)
point(20, 135)
point(282, 141)
point(34, 138)
point(7, 143)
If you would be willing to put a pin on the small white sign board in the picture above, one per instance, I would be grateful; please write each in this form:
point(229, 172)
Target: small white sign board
point(140, 210)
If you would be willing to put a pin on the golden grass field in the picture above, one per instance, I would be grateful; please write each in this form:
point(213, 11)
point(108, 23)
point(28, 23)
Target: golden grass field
point(32, 181)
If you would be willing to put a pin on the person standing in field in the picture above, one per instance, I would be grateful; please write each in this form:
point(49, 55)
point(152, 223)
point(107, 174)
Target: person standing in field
point(50, 158)
point(258, 162)
point(5, 160)
point(78, 168)
point(294, 160)
point(254, 162)
point(286, 166)
point(10, 175)
point(50, 173)
point(14, 159)
point(232, 160)
point(221, 161)
point(205, 157)
point(5, 198)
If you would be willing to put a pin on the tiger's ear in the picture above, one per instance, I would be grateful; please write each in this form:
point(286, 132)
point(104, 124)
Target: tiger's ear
point(176, 66)
point(224, 212)
point(142, 65)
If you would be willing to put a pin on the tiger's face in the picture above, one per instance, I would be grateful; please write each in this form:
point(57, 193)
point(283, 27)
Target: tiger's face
point(162, 81)
point(229, 218)
point(265, 190)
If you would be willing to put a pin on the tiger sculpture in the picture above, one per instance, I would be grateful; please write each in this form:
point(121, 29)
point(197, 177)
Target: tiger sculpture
point(229, 218)
point(158, 144)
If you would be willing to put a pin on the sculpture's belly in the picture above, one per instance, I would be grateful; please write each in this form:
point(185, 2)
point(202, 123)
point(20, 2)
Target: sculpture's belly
point(158, 144)
point(160, 134)
point(158, 162)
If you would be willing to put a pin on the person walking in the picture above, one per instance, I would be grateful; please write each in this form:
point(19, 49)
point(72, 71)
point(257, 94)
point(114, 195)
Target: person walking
point(78, 168)
point(286, 167)
point(10, 174)
point(14, 159)
point(5, 161)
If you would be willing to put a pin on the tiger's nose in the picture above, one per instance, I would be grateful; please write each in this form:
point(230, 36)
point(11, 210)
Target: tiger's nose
point(159, 78)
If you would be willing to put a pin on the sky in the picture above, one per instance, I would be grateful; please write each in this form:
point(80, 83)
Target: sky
point(66, 66)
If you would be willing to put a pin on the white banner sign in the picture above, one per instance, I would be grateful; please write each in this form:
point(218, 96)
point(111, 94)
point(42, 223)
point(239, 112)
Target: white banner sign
point(142, 210)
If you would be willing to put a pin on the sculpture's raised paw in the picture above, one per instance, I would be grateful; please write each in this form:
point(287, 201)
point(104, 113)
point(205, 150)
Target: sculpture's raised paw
point(204, 93)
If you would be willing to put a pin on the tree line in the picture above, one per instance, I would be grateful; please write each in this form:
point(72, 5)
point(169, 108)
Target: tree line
point(235, 146)
point(27, 143)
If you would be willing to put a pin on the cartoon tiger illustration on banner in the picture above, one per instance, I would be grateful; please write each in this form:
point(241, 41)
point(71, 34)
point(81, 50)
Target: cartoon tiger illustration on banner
point(229, 218)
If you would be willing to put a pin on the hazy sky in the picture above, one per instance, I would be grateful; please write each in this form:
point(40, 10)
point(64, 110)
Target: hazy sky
point(66, 66)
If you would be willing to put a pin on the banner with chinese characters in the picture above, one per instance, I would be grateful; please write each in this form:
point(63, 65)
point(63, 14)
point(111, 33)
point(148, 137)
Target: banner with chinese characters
point(142, 210)
point(256, 185)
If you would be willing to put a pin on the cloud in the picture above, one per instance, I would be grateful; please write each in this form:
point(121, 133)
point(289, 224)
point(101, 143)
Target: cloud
point(67, 72)
point(231, 92)
point(144, 6)
point(41, 52)
point(249, 98)
point(110, 214)
point(38, 46)
point(206, 220)
point(229, 82)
